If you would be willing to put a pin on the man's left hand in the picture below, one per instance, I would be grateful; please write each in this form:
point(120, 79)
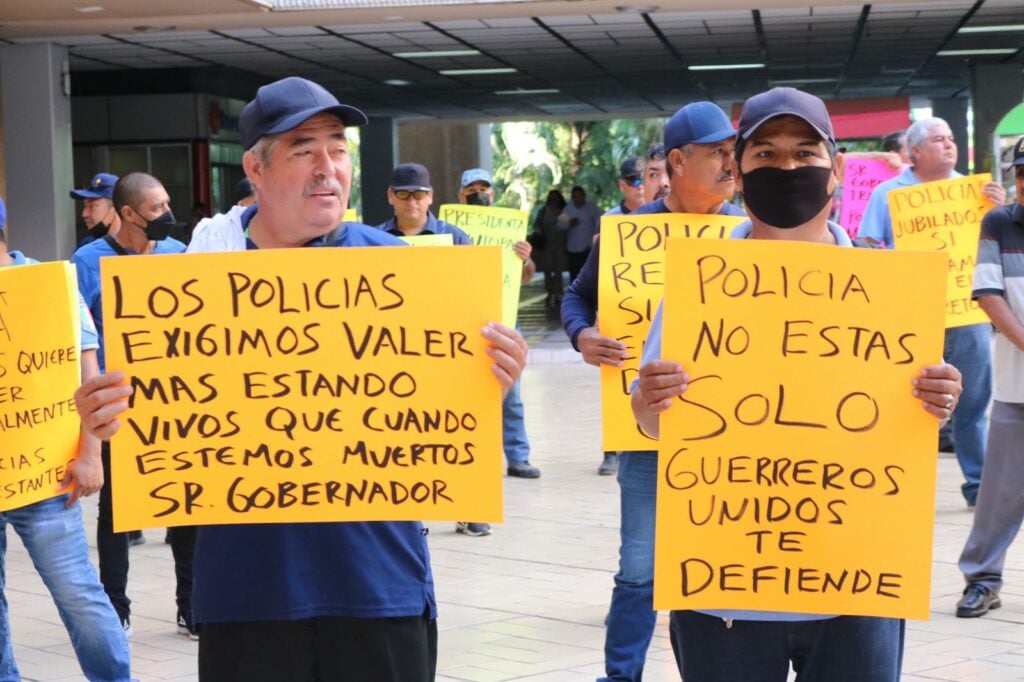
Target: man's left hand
point(939, 388)
point(508, 350)
point(995, 193)
point(86, 473)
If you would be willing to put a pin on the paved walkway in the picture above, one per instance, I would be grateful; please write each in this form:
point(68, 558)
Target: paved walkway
point(528, 601)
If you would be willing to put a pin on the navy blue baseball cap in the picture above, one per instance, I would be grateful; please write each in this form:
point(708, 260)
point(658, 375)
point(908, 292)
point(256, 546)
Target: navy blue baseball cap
point(100, 187)
point(1018, 155)
point(286, 104)
point(697, 123)
point(410, 176)
point(786, 102)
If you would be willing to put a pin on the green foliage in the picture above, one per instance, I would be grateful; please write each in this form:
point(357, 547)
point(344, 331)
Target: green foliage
point(531, 158)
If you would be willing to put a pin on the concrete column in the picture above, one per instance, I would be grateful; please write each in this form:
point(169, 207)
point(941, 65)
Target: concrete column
point(995, 89)
point(953, 110)
point(37, 150)
point(378, 156)
point(446, 149)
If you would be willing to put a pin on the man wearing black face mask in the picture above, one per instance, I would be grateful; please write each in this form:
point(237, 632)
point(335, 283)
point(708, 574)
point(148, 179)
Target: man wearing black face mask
point(787, 169)
point(143, 206)
point(98, 212)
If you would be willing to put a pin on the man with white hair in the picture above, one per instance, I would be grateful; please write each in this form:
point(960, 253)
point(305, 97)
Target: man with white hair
point(933, 155)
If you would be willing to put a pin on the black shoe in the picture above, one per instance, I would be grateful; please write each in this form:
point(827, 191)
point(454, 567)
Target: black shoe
point(946, 445)
point(136, 538)
point(977, 601)
point(523, 470)
point(610, 465)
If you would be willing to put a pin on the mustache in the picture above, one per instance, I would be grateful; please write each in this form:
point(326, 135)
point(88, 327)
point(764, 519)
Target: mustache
point(320, 184)
point(726, 175)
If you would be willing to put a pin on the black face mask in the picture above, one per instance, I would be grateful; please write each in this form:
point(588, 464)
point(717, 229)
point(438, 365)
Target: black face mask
point(99, 230)
point(786, 198)
point(159, 227)
point(479, 199)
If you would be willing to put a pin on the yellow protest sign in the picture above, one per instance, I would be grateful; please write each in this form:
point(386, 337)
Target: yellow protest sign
point(345, 384)
point(350, 216)
point(797, 471)
point(492, 225)
point(630, 286)
point(945, 216)
point(428, 240)
point(39, 372)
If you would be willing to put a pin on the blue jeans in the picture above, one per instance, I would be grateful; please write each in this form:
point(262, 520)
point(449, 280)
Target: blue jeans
point(843, 649)
point(513, 427)
point(55, 540)
point(969, 350)
point(631, 617)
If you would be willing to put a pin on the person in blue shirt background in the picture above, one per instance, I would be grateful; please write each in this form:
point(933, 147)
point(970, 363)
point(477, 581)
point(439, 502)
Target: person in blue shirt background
point(143, 205)
point(54, 536)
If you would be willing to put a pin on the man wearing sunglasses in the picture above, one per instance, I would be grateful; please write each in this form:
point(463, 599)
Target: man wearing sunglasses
point(631, 183)
point(411, 194)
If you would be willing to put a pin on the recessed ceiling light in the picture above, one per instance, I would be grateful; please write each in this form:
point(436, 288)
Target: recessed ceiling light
point(802, 81)
point(535, 91)
point(474, 72)
point(152, 29)
point(636, 9)
point(971, 53)
point(397, 81)
point(1006, 28)
point(723, 67)
point(392, 17)
point(89, 9)
point(435, 53)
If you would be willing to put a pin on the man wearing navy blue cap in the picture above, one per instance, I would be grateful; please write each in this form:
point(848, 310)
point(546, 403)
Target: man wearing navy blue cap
point(98, 212)
point(411, 194)
point(306, 601)
point(698, 147)
point(787, 169)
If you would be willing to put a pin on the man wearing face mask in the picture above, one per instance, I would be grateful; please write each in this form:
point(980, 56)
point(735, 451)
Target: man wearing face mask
point(699, 164)
point(143, 206)
point(787, 168)
point(475, 189)
point(98, 212)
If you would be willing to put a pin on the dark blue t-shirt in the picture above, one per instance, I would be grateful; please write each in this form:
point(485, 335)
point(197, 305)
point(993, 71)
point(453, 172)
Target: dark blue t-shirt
point(293, 571)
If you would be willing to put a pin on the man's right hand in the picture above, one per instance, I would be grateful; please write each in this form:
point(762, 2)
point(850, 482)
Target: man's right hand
point(600, 350)
point(99, 401)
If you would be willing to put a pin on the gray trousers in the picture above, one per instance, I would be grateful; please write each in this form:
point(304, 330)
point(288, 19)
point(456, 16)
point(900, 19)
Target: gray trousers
point(1000, 510)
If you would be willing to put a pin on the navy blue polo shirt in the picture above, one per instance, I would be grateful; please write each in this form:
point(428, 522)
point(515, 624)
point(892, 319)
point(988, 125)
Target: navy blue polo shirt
point(294, 571)
point(432, 226)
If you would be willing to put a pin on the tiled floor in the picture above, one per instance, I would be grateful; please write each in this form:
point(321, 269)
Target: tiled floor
point(528, 601)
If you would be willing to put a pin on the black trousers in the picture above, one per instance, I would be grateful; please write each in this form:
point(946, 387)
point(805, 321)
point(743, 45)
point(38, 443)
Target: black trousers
point(320, 650)
point(576, 261)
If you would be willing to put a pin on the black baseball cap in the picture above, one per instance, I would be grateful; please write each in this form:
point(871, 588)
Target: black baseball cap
point(1018, 153)
point(286, 104)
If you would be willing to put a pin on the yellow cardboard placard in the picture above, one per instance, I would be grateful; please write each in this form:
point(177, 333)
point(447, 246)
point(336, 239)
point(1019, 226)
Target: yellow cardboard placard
point(630, 286)
point(429, 240)
point(350, 216)
point(945, 216)
point(40, 368)
point(345, 384)
point(797, 471)
point(493, 225)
